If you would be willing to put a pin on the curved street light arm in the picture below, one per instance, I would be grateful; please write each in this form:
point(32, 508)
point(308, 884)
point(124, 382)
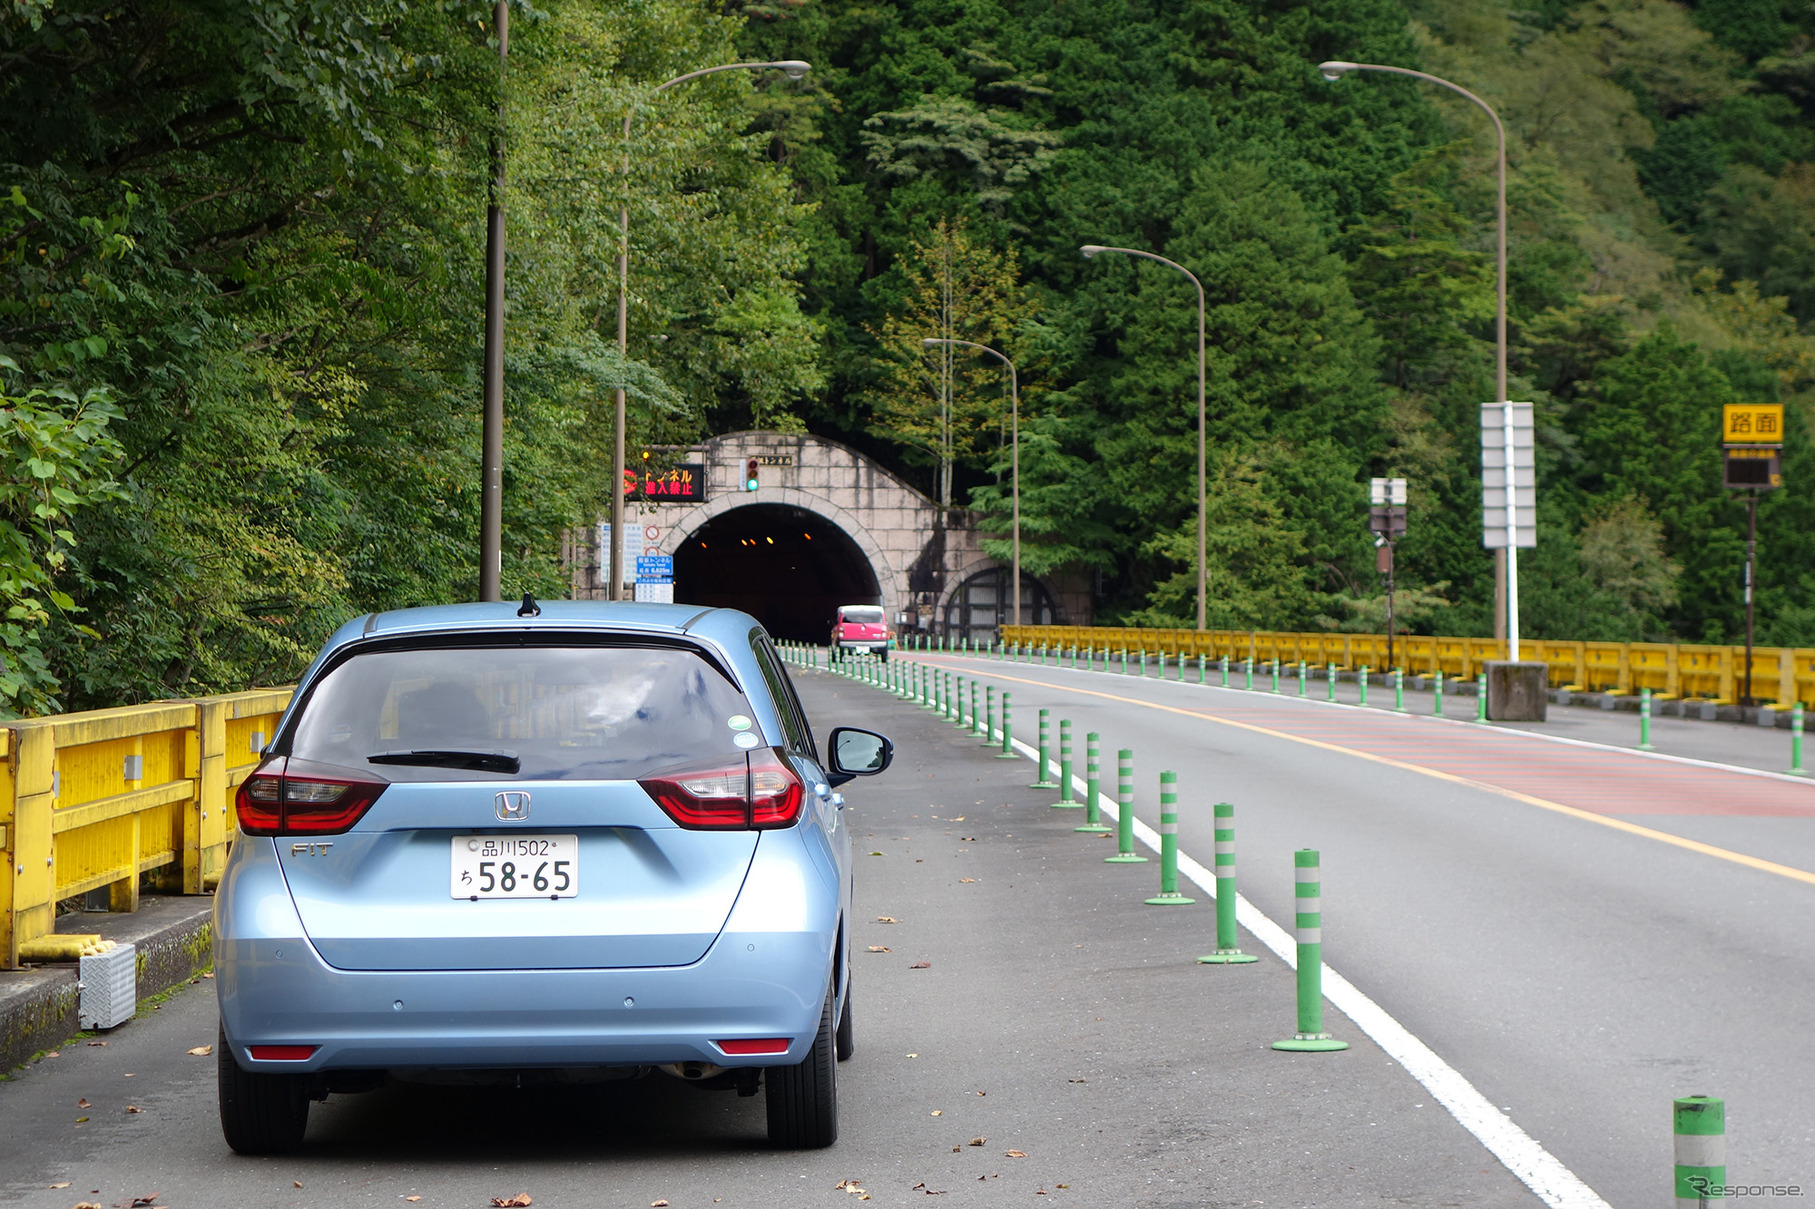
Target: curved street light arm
point(796, 68)
point(1014, 445)
point(1203, 537)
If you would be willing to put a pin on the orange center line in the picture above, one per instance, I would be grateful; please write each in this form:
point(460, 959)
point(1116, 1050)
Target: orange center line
point(1663, 837)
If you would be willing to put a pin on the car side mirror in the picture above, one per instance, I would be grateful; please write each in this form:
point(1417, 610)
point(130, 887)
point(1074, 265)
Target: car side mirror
point(857, 753)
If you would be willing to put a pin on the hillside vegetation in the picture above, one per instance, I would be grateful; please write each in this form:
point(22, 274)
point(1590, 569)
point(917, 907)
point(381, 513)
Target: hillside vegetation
point(241, 301)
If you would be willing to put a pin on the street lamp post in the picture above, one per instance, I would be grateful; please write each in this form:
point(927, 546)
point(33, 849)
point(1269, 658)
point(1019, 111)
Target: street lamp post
point(491, 431)
point(795, 69)
point(1506, 561)
point(1014, 446)
point(1203, 575)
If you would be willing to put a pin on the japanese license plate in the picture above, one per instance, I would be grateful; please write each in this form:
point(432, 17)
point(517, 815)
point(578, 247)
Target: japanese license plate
point(515, 866)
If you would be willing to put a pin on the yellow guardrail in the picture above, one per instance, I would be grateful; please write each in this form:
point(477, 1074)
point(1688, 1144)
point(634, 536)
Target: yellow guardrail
point(97, 799)
point(1669, 670)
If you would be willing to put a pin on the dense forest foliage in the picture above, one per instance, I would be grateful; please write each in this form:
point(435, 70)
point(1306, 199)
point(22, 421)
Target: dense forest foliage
point(241, 301)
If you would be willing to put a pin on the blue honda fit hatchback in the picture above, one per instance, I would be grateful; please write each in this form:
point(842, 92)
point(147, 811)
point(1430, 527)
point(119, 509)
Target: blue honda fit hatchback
point(561, 842)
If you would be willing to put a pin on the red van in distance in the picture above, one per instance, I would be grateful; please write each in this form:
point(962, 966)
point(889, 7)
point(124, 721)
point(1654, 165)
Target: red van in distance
point(860, 628)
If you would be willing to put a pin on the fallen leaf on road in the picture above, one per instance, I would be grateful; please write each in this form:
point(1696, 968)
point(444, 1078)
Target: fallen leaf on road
point(88, 1205)
point(412, 1199)
point(849, 1186)
point(879, 948)
point(875, 854)
point(202, 1051)
point(64, 1184)
point(913, 1055)
point(53, 1054)
point(208, 974)
point(921, 1187)
point(967, 879)
point(514, 1202)
point(658, 1205)
point(97, 1043)
point(1061, 1185)
point(956, 1149)
point(921, 965)
point(1041, 1192)
point(938, 1112)
point(79, 1104)
point(1074, 1080)
point(979, 1141)
point(1014, 1154)
point(139, 1202)
point(887, 919)
point(134, 1108)
point(296, 1183)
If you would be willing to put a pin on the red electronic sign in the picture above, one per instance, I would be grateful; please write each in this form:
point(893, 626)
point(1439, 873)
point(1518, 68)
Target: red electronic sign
point(682, 484)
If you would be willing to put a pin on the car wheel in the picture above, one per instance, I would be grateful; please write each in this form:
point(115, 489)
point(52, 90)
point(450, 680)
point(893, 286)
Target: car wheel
point(803, 1099)
point(847, 1037)
point(260, 1113)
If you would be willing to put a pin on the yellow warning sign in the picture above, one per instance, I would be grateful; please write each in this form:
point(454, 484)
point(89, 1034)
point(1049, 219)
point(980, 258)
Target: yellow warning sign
point(1752, 424)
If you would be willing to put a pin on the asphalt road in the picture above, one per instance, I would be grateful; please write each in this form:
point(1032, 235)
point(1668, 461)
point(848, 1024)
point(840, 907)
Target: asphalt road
point(1057, 1018)
point(1584, 934)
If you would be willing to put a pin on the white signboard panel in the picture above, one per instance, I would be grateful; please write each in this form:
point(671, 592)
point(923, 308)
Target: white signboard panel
point(1508, 468)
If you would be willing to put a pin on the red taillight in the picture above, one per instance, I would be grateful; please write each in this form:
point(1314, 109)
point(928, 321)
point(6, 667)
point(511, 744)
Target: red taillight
point(758, 792)
point(273, 803)
point(756, 1045)
point(282, 1053)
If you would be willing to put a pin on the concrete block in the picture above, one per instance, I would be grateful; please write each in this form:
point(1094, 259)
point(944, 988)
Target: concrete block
point(1517, 692)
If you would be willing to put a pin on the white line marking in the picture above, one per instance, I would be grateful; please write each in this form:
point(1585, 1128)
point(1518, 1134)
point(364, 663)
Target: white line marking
point(1520, 1153)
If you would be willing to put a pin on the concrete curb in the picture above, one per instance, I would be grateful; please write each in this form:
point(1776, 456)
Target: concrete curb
point(174, 937)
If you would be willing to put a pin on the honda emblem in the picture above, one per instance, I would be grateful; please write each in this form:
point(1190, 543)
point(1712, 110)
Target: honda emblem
point(513, 805)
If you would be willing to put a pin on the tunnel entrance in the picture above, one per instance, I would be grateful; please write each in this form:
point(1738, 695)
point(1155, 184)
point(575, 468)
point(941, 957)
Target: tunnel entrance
point(787, 567)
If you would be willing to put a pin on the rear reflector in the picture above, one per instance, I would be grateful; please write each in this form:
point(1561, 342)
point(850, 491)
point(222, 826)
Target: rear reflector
point(760, 1045)
point(282, 1053)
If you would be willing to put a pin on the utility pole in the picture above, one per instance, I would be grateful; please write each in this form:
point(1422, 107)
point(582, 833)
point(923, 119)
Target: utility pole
point(491, 473)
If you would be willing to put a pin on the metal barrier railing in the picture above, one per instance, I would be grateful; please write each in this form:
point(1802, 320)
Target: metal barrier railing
point(94, 800)
point(1783, 675)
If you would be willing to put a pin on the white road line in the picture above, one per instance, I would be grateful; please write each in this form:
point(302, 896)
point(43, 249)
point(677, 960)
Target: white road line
point(1517, 1150)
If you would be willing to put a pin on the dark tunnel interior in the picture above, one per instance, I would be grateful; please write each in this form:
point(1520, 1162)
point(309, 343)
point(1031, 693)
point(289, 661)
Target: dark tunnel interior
point(787, 567)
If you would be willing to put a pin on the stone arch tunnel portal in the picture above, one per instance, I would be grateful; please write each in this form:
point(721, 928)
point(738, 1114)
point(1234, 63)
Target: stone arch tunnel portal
point(787, 567)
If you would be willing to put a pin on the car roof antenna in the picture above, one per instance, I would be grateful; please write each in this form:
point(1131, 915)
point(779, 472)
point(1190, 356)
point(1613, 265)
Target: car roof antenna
point(529, 607)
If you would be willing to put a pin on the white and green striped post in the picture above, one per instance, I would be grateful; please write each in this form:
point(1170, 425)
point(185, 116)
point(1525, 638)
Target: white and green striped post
point(1066, 802)
point(1796, 768)
point(1169, 895)
point(989, 716)
point(1399, 689)
point(1303, 676)
point(1363, 682)
point(1276, 673)
point(976, 722)
point(1225, 671)
point(1481, 698)
point(1124, 812)
point(1248, 671)
point(1143, 663)
point(1227, 954)
point(1437, 698)
point(1200, 667)
point(1008, 741)
point(1329, 682)
point(1701, 1150)
point(1645, 720)
point(1093, 789)
point(1308, 904)
point(1124, 661)
point(1040, 781)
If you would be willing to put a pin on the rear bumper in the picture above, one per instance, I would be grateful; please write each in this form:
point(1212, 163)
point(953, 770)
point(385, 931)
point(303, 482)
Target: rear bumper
point(874, 646)
point(764, 976)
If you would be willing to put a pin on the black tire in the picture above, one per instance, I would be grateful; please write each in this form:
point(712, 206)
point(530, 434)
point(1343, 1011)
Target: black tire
point(803, 1099)
point(846, 1036)
point(260, 1114)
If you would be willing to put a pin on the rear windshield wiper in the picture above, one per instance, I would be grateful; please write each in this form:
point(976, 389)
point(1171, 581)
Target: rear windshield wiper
point(472, 761)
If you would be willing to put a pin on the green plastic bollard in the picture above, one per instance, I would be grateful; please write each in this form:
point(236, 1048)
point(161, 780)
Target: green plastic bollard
point(1700, 1150)
point(1124, 661)
point(1200, 667)
point(1143, 663)
point(1066, 801)
point(1481, 698)
point(1124, 812)
point(975, 721)
point(1308, 903)
point(1225, 671)
point(1093, 791)
point(1437, 699)
point(1329, 682)
point(1303, 676)
point(1796, 768)
point(1645, 720)
point(1276, 674)
point(1227, 954)
point(1399, 689)
point(1363, 682)
point(989, 716)
point(1248, 671)
point(1008, 741)
point(1040, 781)
point(1169, 895)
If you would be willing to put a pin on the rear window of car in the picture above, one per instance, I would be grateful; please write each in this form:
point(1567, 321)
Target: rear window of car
point(570, 712)
point(861, 616)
